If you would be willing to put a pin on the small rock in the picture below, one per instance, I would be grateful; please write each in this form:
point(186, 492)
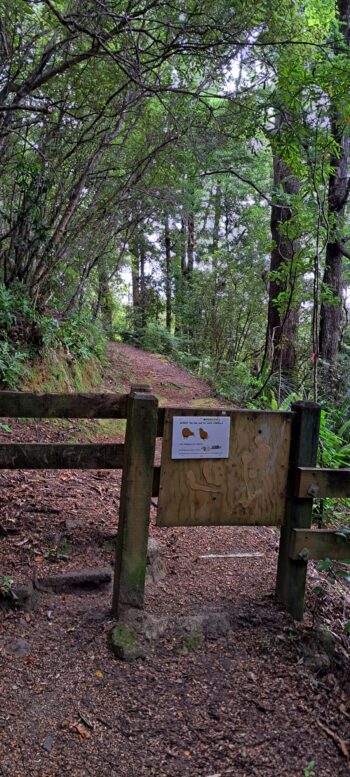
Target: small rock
point(318, 648)
point(47, 743)
point(213, 624)
point(216, 624)
point(23, 597)
point(135, 633)
point(319, 663)
point(125, 643)
point(73, 524)
point(155, 569)
point(152, 549)
point(326, 639)
point(20, 648)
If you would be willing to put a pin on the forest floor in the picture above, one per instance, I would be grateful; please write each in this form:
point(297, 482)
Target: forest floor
point(255, 700)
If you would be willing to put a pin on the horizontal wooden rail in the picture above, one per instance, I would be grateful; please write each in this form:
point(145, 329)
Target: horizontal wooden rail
point(18, 404)
point(317, 483)
point(318, 544)
point(61, 456)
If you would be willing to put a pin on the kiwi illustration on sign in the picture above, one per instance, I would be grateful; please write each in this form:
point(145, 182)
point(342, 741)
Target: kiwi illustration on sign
point(186, 432)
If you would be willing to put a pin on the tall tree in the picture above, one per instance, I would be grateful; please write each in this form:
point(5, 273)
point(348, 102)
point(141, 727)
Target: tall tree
point(282, 307)
point(338, 195)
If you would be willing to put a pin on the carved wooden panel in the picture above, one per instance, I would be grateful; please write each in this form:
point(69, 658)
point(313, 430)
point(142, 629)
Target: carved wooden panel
point(248, 488)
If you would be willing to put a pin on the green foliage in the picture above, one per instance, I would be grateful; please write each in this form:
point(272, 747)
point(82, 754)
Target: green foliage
point(6, 587)
point(334, 450)
point(193, 641)
point(15, 332)
point(335, 571)
point(334, 453)
point(158, 339)
point(89, 177)
point(25, 332)
point(325, 565)
point(232, 380)
point(12, 365)
point(309, 770)
point(76, 335)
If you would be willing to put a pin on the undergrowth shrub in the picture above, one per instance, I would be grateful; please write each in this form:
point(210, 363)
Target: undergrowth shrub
point(334, 453)
point(157, 339)
point(12, 367)
point(26, 333)
point(78, 336)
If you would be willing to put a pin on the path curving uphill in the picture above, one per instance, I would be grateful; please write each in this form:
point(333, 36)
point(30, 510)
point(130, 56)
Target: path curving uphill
point(172, 384)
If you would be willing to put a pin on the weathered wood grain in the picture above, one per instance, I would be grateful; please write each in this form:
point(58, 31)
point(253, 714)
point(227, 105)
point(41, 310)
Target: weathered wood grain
point(135, 501)
point(17, 404)
point(291, 573)
point(317, 483)
point(318, 544)
point(61, 456)
point(248, 488)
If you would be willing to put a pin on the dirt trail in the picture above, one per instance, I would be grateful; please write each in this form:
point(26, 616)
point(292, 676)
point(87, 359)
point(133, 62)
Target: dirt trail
point(169, 382)
point(238, 704)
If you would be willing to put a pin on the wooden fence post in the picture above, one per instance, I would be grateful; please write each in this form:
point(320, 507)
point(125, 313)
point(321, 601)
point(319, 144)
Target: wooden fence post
point(291, 574)
point(135, 499)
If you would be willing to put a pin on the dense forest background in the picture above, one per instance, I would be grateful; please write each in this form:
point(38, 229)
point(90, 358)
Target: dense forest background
point(200, 149)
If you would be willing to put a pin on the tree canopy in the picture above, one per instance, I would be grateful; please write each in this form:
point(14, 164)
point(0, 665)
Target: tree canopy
point(205, 147)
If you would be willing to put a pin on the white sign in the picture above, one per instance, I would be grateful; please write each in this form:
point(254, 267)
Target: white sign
point(200, 437)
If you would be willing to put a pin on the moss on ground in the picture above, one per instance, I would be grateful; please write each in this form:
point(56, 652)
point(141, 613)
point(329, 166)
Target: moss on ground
point(56, 373)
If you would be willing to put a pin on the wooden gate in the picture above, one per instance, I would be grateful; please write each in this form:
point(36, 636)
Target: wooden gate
point(260, 471)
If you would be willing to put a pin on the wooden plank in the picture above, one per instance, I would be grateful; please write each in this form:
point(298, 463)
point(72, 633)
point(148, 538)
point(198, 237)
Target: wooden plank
point(320, 483)
point(17, 404)
point(248, 488)
point(291, 573)
point(61, 456)
point(135, 501)
point(319, 544)
point(231, 555)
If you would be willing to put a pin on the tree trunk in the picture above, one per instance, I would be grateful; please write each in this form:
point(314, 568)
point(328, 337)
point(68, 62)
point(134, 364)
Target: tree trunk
point(143, 301)
point(190, 244)
point(217, 218)
point(168, 275)
point(139, 296)
point(135, 276)
point(104, 305)
point(282, 313)
point(183, 244)
point(181, 275)
point(338, 193)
